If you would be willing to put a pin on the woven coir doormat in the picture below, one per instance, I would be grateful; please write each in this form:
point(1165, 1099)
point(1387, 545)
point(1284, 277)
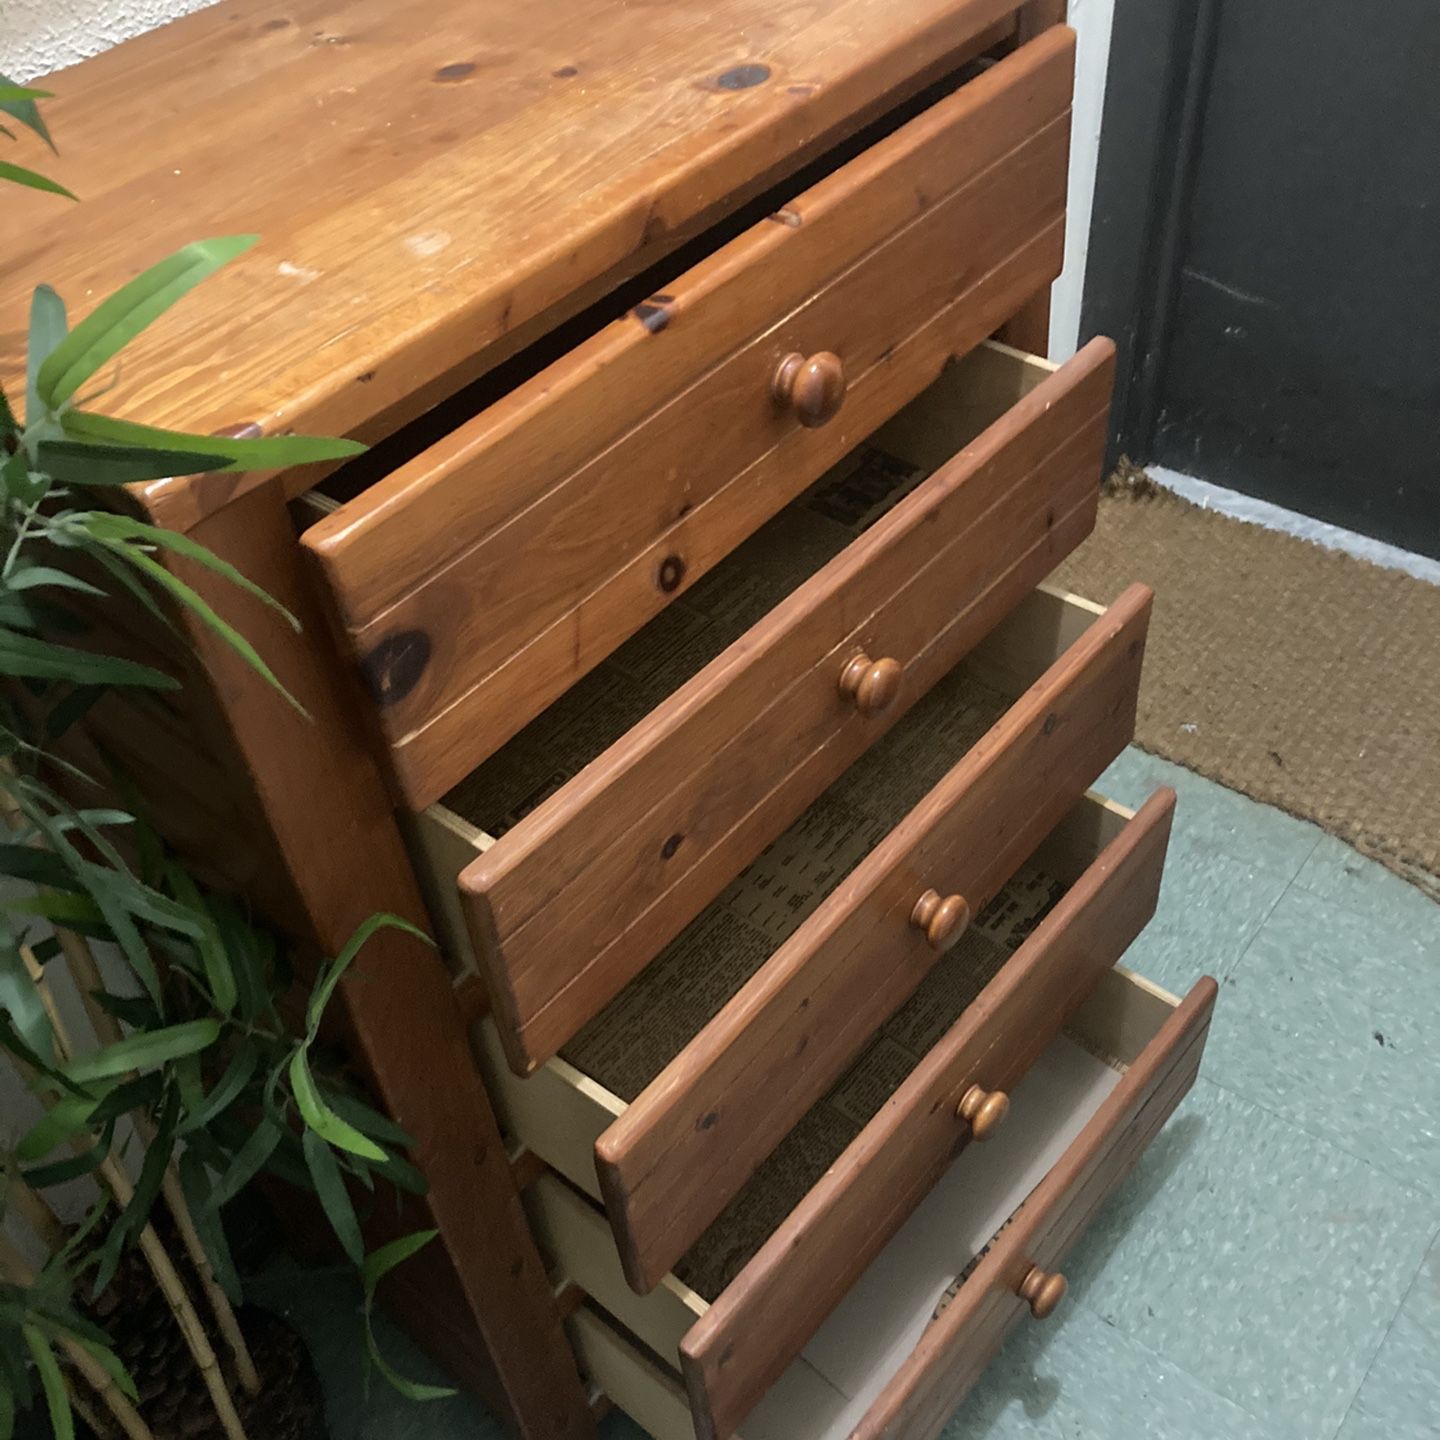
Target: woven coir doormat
point(1301, 676)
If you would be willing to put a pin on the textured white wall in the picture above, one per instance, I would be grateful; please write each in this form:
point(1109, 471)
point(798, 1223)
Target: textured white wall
point(38, 36)
point(1092, 20)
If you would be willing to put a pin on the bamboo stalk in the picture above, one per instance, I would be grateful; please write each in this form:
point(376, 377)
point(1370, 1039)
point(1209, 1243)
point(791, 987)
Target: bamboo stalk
point(33, 1210)
point(87, 1412)
point(167, 1278)
point(88, 980)
point(116, 1403)
point(86, 973)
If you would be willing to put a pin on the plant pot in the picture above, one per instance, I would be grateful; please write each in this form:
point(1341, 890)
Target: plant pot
point(174, 1401)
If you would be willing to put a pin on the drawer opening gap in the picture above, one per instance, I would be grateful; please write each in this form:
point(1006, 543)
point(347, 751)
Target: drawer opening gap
point(404, 443)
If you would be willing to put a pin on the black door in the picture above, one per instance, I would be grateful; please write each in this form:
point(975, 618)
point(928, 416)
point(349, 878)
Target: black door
point(1266, 245)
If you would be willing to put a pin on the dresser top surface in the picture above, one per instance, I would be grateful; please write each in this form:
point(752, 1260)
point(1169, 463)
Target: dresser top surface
point(424, 180)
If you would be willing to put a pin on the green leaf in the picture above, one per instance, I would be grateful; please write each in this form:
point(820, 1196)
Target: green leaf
point(229, 1087)
point(13, 472)
point(334, 1197)
point(79, 1240)
point(188, 1082)
point(7, 1409)
point(251, 953)
point(10, 92)
point(19, 175)
point(136, 1214)
point(48, 325)
point(74, 912)
point(140, 1052)
point(79, 462)
point(21, 104)
point(193, 601)
point(140, 1094)
point(23, 656)
point(121, 528)
point(106, 558)
point(263, 452)
point(195, 1182)
point(410, 1389)
point(115, 322)
point(20, 998)
point(30, 577)
point(246, 1163)
point(152, 1172)
point(381, 1262)
point(367, 1121)
point(11, 1042)
point(68, 1116)
point(325, 986)
point(14, 1371)
point(71, 710)
point(320, 1118)
point(219, 977)
point(133, 1010)
point(403, 1175)
point(61, 1172)
point(113, 1366)
point(57, 1398)
point(40, 867)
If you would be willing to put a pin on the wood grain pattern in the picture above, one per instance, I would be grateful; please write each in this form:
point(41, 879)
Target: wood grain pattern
point(955, 1348)
point(332, 838)
point(774, 1306)
point(421, 190)
point(483, 578)
point(695, 1135)
point(583, 892)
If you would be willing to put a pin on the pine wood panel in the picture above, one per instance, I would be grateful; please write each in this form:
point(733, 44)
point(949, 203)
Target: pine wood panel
point(579, 896)
point(918, 1402)
point(694, 1136)
point(579, 505)
point(771, 1310)
point(422, 190)
point(332, 837)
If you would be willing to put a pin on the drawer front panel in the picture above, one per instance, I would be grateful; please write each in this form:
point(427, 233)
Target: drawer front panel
point(956, 1347)
point(767, 1315)
point(695, 1135)
point(583, 893)
point(479, 581)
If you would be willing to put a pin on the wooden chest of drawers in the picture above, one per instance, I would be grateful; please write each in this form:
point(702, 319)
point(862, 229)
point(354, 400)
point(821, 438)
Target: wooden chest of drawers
point(680, 654)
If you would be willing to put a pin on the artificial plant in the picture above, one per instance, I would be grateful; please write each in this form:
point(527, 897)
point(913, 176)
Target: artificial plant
point(190, 1065)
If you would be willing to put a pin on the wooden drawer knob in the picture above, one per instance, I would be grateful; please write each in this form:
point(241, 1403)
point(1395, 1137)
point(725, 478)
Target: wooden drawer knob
point(1044, 1289)
point(983, 1110)
point(812, 386)
point(942, 918)
point(871, 684)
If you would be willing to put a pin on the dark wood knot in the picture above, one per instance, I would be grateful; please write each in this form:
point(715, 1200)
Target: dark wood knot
point(654, 313)
point(742, 77)
point(394, 667)
point(672, 572)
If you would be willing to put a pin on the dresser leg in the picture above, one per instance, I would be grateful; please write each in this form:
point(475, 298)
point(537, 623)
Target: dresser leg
point(335, 851)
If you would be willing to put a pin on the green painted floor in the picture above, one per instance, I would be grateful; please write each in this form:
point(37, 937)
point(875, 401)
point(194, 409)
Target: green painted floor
point(1272, 1268)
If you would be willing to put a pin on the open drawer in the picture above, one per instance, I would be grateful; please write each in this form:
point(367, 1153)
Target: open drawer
point(869, 1304)
point(589, 842)
point(480, 579)
point(668, 1101)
